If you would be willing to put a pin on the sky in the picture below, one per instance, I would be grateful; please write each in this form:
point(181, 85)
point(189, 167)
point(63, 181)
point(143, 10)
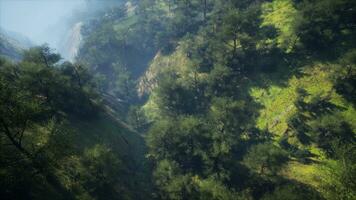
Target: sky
point(37, 19)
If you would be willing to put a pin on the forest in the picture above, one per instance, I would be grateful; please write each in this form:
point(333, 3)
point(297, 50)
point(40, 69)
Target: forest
point(185, 100)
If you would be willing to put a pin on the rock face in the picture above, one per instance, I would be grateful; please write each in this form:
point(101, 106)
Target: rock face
point(72, 42)
point(178, 62)
point(148, 81)
point(130, 8)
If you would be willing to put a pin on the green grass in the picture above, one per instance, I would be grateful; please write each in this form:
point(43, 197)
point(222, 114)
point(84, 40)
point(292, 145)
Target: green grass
point(304, 173)
point(278, 107)
point(278, 101)
point(105, 130)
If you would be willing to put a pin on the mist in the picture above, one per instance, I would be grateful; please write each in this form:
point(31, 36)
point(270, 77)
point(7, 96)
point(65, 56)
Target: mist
point(47, 21)
point(39, 20)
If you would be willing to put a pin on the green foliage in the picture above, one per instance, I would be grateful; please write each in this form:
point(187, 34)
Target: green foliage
point(283, 15)
point(265, 158)
point(176, 186)
point(241, 72)
point(345, 78)
point(292, 192)
point(173, 185)
point(137, 119)
point(339, 176)
point(124, 83)
point(215, 190)
point(319, 120)
point(176, 98)
point(227, 80)
point(327, 24)
point(329, 129)
point(230, 116)
point(181, 141)
point(38, 96)
point(103, 168)
point(117, 47)
point(41, 54)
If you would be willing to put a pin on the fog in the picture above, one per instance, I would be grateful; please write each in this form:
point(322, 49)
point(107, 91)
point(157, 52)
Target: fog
point(41, 21)
point(47, 21)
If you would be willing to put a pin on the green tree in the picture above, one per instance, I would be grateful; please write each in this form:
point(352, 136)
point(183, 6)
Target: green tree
point(265, 158)
point(185, 141)
point(103, 169)
point(124, 84)
point(329, 129)
point(36, 95)
point(136, 118)
point(339, 175)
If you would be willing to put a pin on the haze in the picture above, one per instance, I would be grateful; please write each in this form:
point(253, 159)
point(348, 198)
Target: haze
point(42, 21)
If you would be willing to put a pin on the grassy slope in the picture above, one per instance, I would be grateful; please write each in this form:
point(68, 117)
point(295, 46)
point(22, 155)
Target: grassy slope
point(106, 130)
point(278, 107)
point(128, 145)
point(278, 101)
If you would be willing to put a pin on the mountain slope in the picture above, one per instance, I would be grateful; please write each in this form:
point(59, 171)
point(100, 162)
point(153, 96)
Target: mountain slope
point(125, 144)
point(12, 45)
point(245, 99)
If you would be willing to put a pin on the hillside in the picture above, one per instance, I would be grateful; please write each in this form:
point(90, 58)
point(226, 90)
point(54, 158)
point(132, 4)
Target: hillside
point(12, 45)
point(187, 100)
point(277, 106)
point(275, 74)
point(133, 180)
point(65, 141)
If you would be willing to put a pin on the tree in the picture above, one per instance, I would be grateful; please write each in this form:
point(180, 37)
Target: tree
point(19, 109)
point(216, 190)
point(265, 158)
point(137, 119)
point(41, 55)
point(239, 31)
point(36, 94)
point(326, 24)
point(172, 183)
point(339, 175)
point(124, 84)
point(104, 168)
point(329, 129)
point(231, 117)
point(285, 18)
point(345, 78)
point(176, 98)
point(19, 112)
point(185, 141)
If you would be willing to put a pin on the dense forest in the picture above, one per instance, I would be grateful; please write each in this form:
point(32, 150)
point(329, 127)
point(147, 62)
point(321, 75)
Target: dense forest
point(186, 100)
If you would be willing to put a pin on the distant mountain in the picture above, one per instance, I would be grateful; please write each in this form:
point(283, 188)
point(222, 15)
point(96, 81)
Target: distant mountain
point(12, 44)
